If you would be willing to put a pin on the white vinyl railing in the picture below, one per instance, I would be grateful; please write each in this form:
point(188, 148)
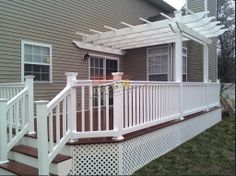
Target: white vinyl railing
point(16, 114)
point(113, 108)
point(213, 94)
point(149, 103)
point(54, 125)
point(9, 90)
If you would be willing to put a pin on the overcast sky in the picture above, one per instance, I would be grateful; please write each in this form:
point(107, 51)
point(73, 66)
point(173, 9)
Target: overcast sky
point(178, 4)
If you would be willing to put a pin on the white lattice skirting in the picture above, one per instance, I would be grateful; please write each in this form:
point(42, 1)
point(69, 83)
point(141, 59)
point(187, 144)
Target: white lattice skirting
point(126, 157)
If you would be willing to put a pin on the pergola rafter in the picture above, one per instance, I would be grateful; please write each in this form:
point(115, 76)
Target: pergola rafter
point(196, 26)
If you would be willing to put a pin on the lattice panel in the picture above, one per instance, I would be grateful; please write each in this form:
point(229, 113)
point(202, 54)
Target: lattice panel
point(139, 151)
point(126, 157)
point(95, 159)
point(197, 125)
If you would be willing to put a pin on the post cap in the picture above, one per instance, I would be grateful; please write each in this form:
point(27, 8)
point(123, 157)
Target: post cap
point(117, 73)
point(41, 102)
point(71, 74)
point(30, 76)
point(3, 100)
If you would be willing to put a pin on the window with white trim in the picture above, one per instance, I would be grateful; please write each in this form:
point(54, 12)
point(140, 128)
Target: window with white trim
point(36, 60)
point(184, 63)
point(101, 68)
point(158, 60)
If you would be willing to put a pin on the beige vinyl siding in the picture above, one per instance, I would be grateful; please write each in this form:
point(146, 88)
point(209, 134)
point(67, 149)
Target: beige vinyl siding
point(196, 5)
point(136, 64)
point(195, 50)
point(213, 60)
point(55, 23)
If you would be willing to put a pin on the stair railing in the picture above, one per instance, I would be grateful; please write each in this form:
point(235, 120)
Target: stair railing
point(55, 121)
point(16, 114)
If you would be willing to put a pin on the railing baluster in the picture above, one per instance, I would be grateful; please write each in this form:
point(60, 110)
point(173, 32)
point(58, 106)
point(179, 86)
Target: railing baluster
point(148, 103)
point(17, 118)
point(141, 104)
point(126, 107)
point(151, 103)
point(91, 107)
point(138, 105)
point(50, 130)
point(23, 108)
point(64, 117)
point(58, 123)
point(134, 105)
point(145, 104)
point(10, 111)
point(82, 109)
point(99, 108)
point(130, 106)
point(107, 107)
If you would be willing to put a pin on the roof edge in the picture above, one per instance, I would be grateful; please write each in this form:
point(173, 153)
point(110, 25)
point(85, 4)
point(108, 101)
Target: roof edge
point(164, 6)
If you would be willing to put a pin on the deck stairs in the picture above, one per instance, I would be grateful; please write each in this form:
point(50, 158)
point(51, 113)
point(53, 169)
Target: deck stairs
point(23, 159)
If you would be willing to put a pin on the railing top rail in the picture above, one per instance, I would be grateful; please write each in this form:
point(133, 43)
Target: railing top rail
point(152, 82)
point(194, 83)
point(132, 82)
point(12, 85)
point(92, 82)
point(58, 98)
point(17, 97)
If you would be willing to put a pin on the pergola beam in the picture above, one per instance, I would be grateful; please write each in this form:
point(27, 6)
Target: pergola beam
point(126, 31)
point(216, 34)
point(193, 34)
point(195, 17)
point(146, 44)
point(89, 46)
point(207, 27)
point(201, 23)
point(150, 40)
point(110, 42)
point(196, 26)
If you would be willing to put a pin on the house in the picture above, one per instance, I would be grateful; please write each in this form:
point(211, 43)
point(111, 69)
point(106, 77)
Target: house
point(95, 122)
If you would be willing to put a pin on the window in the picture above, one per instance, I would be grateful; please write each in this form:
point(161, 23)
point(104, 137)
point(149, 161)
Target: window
point(158, 63)
point(101, 68)
point(184, 55)
point(36, 60)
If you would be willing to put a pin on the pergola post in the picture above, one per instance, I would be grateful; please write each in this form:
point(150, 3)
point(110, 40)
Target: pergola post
point(178, 68)
point(206, 71)
point(178, 71)
point(205, 63)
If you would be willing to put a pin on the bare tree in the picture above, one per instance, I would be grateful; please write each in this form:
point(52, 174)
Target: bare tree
point(226, 43)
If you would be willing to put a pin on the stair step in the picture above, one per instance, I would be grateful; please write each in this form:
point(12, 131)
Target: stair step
point(33, 152)
point(19, 168)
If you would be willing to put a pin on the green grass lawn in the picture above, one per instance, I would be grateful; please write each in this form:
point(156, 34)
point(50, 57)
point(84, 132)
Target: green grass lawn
point(210, 153)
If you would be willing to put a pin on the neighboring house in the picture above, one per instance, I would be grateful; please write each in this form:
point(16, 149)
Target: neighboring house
point(50, 38)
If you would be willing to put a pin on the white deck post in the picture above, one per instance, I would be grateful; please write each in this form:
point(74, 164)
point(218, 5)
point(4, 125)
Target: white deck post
point(118, 105)
point(42, 133)
point(205, 72)
point(29, 82)
point(3, 131)
point(178, 67)
point(72, 119)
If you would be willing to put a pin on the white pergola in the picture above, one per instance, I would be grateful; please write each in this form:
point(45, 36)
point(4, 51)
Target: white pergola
point(196, 26)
